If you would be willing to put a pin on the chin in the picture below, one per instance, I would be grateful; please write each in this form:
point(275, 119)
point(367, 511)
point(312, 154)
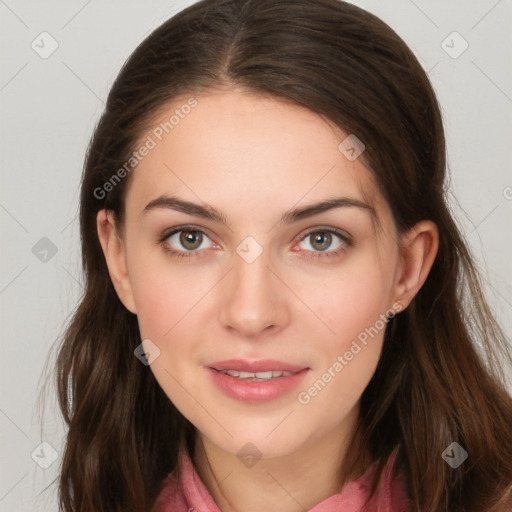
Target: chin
point(247, 442)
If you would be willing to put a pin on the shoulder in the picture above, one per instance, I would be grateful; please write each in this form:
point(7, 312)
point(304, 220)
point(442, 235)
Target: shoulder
point(172, 490)
point(183, 490)
point(391, 494)
point(170, 497)
point(398, 498)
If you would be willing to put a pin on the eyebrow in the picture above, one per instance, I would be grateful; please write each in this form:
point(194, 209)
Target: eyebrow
point(294, 215)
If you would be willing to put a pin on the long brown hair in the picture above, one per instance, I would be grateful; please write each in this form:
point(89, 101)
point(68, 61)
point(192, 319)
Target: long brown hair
point(440, 376)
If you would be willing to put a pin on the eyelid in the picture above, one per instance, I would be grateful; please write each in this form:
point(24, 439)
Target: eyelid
point(330, 229)
point(346, 241)
point(166, 233)
point(345, 237)
point(177, 229)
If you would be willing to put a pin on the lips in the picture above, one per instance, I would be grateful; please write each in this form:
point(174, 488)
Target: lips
point(259, 376)
point(263, 365)
point(254, 389)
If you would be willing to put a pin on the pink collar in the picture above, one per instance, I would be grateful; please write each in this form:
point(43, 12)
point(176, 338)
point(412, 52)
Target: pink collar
point(190, 494)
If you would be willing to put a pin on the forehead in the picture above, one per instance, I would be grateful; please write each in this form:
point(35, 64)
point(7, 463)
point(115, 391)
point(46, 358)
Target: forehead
point(236, 148)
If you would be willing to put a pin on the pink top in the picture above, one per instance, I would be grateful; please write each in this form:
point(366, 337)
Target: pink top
point(189, 494)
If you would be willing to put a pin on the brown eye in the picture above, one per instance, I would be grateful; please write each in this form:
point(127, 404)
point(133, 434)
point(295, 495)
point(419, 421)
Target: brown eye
point(191, 240)
point(321, 240)
point(186, 240)
point(324, 243)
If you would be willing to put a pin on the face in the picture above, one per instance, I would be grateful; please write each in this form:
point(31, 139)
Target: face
point(309, 289)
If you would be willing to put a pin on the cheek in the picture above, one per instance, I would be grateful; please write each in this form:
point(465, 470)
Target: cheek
point(350, 299)
point(352, 304)
point(165, 295)
point(169, 306)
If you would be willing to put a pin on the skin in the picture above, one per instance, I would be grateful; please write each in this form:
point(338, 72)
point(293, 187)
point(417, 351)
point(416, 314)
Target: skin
point(254, 158)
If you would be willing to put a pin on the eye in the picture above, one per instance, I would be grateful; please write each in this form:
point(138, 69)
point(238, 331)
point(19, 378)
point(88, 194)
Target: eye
point(321, 239)
point(184, 241)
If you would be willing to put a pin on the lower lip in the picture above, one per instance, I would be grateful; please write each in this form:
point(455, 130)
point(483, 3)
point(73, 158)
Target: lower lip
point(256, 392)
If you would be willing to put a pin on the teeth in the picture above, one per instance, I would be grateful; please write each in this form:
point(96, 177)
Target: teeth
point(271, 374)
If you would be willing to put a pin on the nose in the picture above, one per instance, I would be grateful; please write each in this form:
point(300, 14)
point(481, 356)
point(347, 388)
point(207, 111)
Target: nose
point(254, 299)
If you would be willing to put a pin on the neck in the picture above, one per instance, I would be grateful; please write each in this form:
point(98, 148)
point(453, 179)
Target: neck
point(294, 482)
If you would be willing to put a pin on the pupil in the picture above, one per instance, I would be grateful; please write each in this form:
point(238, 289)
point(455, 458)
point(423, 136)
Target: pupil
point(326, 237)
point(187, 238)
point(194, 238)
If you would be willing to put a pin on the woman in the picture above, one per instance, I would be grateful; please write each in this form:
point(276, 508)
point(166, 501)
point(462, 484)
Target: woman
point(280, 312)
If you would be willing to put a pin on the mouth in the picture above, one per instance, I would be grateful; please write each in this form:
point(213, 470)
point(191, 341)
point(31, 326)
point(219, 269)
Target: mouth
point(263, 368)
point(256, 381)
point(256, 377)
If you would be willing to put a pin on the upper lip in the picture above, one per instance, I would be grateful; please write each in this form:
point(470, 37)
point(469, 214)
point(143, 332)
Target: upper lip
point(262, 365)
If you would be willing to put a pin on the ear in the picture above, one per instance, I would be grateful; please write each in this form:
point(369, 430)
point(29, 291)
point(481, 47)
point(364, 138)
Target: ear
point(418, 249)
point(115, 256)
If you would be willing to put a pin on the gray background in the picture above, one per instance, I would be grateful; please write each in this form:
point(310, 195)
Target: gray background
point(50, 106)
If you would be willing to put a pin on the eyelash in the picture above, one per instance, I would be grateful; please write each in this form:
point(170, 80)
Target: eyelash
point(347, 242)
